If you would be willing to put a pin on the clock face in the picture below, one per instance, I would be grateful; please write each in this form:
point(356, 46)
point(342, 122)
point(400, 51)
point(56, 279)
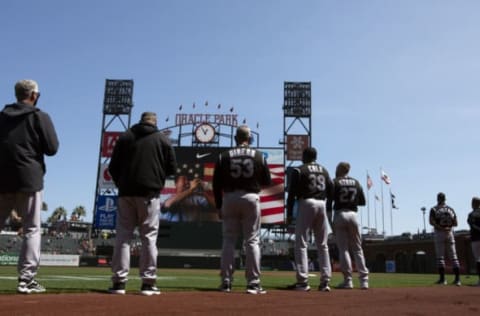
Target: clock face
point(205, 133)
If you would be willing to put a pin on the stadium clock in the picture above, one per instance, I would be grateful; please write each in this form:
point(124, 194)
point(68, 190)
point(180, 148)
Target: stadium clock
point(204, 133)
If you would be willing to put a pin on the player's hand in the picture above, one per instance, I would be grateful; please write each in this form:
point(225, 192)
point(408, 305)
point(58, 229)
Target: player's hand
point(289, 220)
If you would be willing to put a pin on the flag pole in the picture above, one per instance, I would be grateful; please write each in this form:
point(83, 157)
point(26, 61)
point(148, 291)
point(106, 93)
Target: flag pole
point(383, 207)
point(375, 205)
point(391, 213)
point(368, 205)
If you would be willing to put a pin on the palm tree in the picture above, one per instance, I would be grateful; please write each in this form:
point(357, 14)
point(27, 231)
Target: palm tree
point(58, 213)
point(79, 212)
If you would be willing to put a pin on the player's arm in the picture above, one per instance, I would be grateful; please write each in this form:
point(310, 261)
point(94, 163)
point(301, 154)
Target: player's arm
point(330, 200)
point(360, 195)
point(455, 222)
point(115, 165)
point(217, 183)
point(266, 177)
point(182, 195)
point(432, 219)
point(292, 193)
point(170, 159)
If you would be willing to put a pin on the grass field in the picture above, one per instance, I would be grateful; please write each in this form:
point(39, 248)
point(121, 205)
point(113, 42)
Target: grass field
point(87, 279)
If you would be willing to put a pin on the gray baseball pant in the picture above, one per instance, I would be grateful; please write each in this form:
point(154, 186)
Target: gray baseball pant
point(445, 241)
point(476, 250)
point(145, 214)
point(347, 235)
point(241, 214)
point(28, 206)
point(312, 217)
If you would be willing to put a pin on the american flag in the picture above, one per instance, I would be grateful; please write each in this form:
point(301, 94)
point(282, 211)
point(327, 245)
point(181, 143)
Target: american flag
point(369, 182)
point(386, 178)
point(272, 199)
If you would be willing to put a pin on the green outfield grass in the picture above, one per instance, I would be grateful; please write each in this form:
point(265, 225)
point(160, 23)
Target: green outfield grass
point(87, 279)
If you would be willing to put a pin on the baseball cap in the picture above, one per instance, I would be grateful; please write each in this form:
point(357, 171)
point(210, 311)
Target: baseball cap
point(441, 197)
point(475, 202)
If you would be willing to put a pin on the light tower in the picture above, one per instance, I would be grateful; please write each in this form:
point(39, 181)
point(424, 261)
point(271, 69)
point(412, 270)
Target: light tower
point(117, 106)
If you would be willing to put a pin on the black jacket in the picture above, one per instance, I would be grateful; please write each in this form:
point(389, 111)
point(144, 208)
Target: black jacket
point(240, 168)
point(309, 180)
point(141, 160)
point(26, 135)
point(347, 194)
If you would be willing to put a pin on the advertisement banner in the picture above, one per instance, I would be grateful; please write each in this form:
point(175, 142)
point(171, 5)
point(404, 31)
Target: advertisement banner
point(106, 211)
point(295, 146)
point(8, 259)
point(105, 180)
point(47, 259)
point(108, 143)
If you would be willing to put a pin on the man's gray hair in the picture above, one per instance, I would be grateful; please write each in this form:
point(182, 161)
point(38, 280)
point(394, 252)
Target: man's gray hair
point(24, 88)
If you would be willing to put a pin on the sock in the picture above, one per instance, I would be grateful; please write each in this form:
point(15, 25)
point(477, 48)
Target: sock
point(441, 271)
point(456, 271)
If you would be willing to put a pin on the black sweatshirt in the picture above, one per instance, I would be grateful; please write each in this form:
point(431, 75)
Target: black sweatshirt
point(141, 160)
point(26, 135)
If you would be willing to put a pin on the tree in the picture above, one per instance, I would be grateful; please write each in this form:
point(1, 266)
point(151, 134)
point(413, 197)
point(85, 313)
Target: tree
point(59, 213)
point(79, 212)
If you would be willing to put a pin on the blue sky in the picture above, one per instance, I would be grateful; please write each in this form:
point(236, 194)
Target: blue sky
point(394, 83)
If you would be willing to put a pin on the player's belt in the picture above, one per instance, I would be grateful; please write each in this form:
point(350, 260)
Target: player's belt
point(240, 190)
point(315, 198)
point(345, 210)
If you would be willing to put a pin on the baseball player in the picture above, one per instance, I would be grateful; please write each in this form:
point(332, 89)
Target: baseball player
point(141, 160)
point(474, 222)
point(238, 176)
point(347, 196)
point(310, 185)
point(443, 219)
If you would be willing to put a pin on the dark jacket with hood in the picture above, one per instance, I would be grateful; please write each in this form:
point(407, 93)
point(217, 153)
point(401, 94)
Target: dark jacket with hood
point(26, 135)
point(141, 160)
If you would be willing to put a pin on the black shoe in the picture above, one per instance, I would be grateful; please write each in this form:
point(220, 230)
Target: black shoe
point(255, 289)
point(29, 287)
point(324, 287)
point(299, 287)
point(149, 290)
point(117, 288)
point(441, 282)
point(225, 287)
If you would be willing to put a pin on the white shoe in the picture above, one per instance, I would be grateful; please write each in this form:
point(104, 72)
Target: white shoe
point(346, 285)
point(364, 284)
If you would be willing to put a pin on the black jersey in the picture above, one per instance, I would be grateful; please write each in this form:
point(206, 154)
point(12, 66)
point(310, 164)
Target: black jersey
point(240, 168)
point(347, 194)
point(443, 216)
point(474, 222)
point(310, 180)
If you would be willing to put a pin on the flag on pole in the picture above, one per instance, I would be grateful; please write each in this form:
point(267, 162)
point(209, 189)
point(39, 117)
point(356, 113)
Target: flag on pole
point(386, 178)
point(392, 197)
point(369, 182)
point(206, 103)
